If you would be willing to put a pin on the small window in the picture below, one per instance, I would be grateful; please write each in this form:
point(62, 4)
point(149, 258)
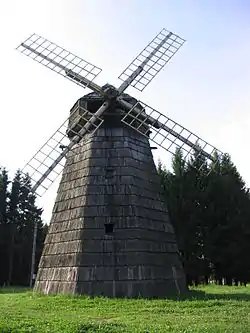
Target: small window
point(109, 228)
point(109, 172)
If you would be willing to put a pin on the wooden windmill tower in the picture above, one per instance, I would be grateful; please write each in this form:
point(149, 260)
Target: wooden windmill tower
point(110, 232)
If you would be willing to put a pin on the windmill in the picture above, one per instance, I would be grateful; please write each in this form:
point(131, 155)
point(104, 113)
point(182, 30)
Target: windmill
point(110, 232)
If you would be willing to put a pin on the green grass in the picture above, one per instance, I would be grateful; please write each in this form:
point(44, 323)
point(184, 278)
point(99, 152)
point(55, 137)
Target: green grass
point(204, 309)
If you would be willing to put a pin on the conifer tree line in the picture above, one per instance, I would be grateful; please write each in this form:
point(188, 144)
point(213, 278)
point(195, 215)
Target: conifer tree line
point(18, 215)
point(209, 207)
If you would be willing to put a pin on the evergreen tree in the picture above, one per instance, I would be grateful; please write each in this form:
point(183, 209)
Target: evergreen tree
point(14, 215)
point(197, 180)
point(30, 215)
point(4, 197)
point(209, 207)
point(18, 215)
point(228, 219)
point(180, 198)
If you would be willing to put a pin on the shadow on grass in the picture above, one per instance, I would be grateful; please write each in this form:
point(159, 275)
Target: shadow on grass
point(82, 328)
point(101, 328)
point(194, 295)
point(12, 290)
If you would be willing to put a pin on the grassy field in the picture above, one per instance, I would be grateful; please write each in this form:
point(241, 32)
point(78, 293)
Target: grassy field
point(205, 309)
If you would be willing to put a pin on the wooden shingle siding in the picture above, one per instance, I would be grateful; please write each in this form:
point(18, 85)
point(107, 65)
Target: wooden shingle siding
point(110, 178)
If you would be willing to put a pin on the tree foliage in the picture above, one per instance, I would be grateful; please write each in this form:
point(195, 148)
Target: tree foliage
point(18, 215)
point(209, 206)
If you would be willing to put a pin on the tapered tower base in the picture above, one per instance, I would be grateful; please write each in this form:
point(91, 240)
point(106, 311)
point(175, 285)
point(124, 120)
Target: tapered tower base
point(110, 232)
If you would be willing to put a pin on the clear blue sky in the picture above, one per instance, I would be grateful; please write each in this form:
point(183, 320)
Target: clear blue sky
point(205, 87)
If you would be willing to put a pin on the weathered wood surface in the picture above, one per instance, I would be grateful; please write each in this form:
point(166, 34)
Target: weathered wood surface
point(110, 177)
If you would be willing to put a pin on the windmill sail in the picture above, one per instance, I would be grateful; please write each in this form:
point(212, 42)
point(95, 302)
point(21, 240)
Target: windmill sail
point(165, 132)
point(59, 60)
point(153, 58)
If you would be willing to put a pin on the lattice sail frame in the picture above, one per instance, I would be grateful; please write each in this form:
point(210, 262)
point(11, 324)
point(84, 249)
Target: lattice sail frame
point(59, 60)
point(157, 62)
point(138, 74)
point(54, 146)
point(167, 133)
